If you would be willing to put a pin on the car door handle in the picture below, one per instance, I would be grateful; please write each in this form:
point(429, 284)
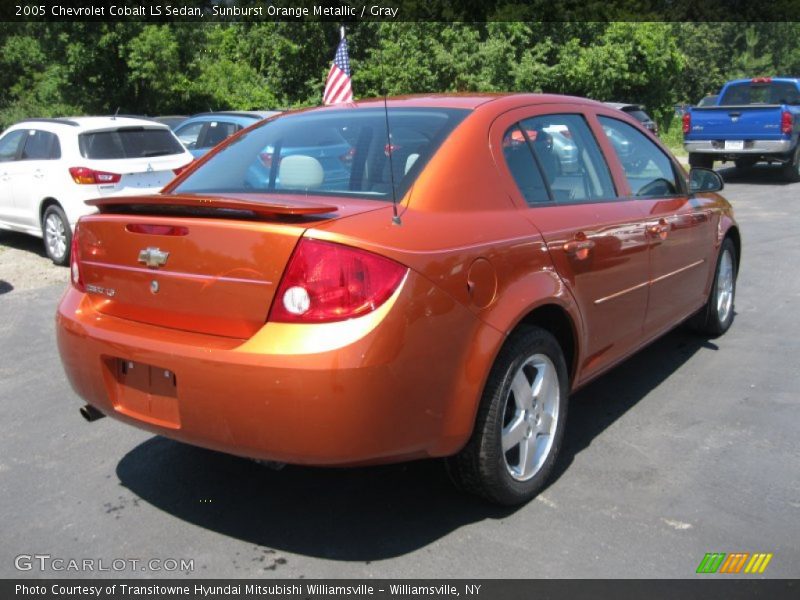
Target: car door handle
point(38, 174)
point(578, 248)
point(4, 177)
point(660, 229)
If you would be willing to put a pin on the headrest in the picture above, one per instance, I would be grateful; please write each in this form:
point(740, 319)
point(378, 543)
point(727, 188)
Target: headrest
point(300, 172)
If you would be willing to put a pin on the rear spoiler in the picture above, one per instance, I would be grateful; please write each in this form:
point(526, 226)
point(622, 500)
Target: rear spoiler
point(261, 207)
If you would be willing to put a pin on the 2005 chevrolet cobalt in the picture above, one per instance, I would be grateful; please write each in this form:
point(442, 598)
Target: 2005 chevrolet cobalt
point(372, 283)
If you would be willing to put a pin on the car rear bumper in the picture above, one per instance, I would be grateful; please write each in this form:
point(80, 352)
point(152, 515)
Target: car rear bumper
point(750, 147)
point(380, 388)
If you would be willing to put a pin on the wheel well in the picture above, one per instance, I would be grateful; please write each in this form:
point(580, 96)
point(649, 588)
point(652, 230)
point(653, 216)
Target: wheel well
point(733, 234)
point(557, 321)
point(47, 203)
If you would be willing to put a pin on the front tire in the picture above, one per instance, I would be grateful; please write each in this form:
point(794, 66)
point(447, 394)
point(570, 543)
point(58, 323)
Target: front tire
point(716, 317)
point(520, 422)
point(57, 235)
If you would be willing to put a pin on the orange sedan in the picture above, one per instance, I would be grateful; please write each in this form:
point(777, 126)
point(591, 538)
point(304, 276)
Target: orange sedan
point(373, 282)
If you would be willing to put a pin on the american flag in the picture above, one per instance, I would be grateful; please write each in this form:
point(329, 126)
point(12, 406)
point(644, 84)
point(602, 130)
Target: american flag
point(338, 85)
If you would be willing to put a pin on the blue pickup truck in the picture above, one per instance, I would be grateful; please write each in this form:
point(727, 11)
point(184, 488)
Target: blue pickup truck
point(753, 120)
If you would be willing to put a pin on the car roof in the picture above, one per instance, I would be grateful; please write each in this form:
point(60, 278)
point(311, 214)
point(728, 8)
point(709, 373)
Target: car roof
point(90, 123)
point(468, 101)
point(236, 115)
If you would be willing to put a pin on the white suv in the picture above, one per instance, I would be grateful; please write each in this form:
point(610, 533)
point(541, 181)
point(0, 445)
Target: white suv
point(49, 167)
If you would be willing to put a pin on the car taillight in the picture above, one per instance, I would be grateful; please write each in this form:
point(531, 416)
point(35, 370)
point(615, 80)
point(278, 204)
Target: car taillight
point(687, 122)
point(84, 175)
point(761, 80)
point(787, 122)
point(327, 282)
point(74, 261)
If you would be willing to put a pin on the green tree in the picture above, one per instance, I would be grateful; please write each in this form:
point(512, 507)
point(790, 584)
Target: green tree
point(753, 60)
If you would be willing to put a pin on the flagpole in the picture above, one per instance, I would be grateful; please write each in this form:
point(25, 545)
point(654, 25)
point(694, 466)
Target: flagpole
point(338, 85)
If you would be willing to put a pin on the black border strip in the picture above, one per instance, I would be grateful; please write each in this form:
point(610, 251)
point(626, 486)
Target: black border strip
point(210, 11)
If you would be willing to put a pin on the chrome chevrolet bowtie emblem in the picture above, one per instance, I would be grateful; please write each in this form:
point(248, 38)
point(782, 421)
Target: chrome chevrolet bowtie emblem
point(153, 257)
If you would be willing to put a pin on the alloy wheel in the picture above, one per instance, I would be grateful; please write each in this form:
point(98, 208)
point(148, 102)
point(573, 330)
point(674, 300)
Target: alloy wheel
point(530, 417)
point(725, 287)
point(55, 236)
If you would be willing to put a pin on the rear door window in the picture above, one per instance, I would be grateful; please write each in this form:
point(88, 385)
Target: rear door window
point(189, 134)
point(128, 142)
point(522, 165)
point(648, 170)
point(41, 145)
point(9, 144)
point(570, 159)
point(216, 132)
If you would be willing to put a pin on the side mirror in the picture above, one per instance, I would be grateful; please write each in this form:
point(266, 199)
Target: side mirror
point(705, 180)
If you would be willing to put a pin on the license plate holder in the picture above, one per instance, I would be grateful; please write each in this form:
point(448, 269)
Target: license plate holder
point(734, 144)
point(145, 392)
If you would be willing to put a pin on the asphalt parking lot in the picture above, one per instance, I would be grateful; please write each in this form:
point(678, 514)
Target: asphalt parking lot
point(687, 448)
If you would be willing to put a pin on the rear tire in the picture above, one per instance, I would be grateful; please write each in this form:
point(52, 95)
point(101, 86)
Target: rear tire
point(520, 422)
point(791, 170)
point(703, 161)
point(716, 317)
point(57, 235)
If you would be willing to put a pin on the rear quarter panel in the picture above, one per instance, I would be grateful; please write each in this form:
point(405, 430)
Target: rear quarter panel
point(461, 231)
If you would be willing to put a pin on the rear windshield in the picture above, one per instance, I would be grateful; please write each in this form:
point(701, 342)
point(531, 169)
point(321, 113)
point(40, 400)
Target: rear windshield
point(128, 142)
point(343, 152)
point(639, 115)
point(775, 92)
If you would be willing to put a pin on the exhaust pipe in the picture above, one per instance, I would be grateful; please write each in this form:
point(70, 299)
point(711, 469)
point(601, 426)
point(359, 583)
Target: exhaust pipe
point(90, 413)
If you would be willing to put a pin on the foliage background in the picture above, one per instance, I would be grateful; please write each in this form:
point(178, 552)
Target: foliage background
point(57, 69)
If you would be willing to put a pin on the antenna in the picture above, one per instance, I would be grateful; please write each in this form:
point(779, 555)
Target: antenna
point(389, 149)
point(116, 112)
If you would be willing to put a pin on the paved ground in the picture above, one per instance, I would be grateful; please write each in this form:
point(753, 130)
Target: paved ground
point(689, 447)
